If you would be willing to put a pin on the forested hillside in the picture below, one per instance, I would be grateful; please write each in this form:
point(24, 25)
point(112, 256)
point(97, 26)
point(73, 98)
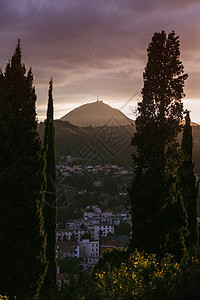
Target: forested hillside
point(113, 143)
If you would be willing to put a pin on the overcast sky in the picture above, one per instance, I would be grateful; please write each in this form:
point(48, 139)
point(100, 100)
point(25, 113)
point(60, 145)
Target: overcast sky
point(99, 47)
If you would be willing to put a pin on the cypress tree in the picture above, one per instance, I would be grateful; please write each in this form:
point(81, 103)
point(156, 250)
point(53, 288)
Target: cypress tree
point(22, 237)
point(188, 181)
point(158, 215)
point(50, 196)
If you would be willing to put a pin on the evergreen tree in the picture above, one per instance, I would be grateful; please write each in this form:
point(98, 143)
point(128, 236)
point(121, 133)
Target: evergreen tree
point(22, 238)
point(189, 184)
point(50, 196)
point(158, 215)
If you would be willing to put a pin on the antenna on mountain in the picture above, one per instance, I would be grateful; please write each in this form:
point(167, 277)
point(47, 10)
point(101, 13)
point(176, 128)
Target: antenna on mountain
point(98, 99)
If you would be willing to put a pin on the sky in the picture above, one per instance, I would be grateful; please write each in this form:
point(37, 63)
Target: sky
point(97, 48)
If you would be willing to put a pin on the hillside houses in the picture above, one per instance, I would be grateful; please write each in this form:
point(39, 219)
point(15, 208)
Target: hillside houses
point(72, 241)
point(89, 252)
point(99, 192)
point(67, 170)
point(68, 249)
point(94, 223)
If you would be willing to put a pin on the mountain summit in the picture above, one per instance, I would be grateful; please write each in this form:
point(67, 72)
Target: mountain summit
point(96, 114)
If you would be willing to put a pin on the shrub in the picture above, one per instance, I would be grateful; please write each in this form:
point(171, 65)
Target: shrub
point(142, 276)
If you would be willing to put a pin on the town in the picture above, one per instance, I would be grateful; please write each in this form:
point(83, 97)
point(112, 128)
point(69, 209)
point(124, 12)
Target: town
point(104, 221)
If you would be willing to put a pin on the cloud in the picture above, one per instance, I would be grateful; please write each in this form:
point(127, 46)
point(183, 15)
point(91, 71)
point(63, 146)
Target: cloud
point(192, 85)
point(92, 45)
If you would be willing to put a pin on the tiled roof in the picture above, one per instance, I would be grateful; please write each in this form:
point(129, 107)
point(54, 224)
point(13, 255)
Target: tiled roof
point(66, 246)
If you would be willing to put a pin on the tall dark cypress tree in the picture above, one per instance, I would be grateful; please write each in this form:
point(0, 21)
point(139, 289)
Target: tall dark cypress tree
point(158, 216)
point(188, 181)
point(50, 197)
point(22, 237)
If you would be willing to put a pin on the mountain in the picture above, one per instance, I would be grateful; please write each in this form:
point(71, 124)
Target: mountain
point(96, 114)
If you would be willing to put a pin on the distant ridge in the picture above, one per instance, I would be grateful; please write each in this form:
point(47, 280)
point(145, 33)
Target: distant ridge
point(96, 114)
point(70, 139)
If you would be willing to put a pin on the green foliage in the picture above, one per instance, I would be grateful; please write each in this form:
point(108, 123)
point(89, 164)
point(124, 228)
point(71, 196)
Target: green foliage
point(69, 138)
point(158, 216)
point(70, 265)
point(22, 237)
point(188, 183)
point(123, 228)
point(76, 288)
point(50, 196)
point(111, 258)
point(142, 276)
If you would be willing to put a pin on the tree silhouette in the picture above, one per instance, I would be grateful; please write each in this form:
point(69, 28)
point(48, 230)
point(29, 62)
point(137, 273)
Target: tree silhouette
point(189, 183)
point(22, 238)
point(50, 197)
point(158, 215)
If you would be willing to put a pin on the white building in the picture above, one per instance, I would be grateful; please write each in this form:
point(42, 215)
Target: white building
point(79, 233)
point(89, 248)
point(104, 229)
point(89, 252)
point(67, 249)
point(66, 234)
point(60, 234)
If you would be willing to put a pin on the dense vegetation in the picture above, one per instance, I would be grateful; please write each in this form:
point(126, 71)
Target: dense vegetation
point(162, 260)
point(159, 220)
point(69, 138)
point(50, 207)
point(22, 239)
point(71, 204)
point(188, 183)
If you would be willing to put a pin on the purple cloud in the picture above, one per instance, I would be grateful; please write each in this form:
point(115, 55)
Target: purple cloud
point(92, 46)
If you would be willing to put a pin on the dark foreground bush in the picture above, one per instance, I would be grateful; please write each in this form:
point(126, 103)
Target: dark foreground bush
point(142, 276)
point(121, 275)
